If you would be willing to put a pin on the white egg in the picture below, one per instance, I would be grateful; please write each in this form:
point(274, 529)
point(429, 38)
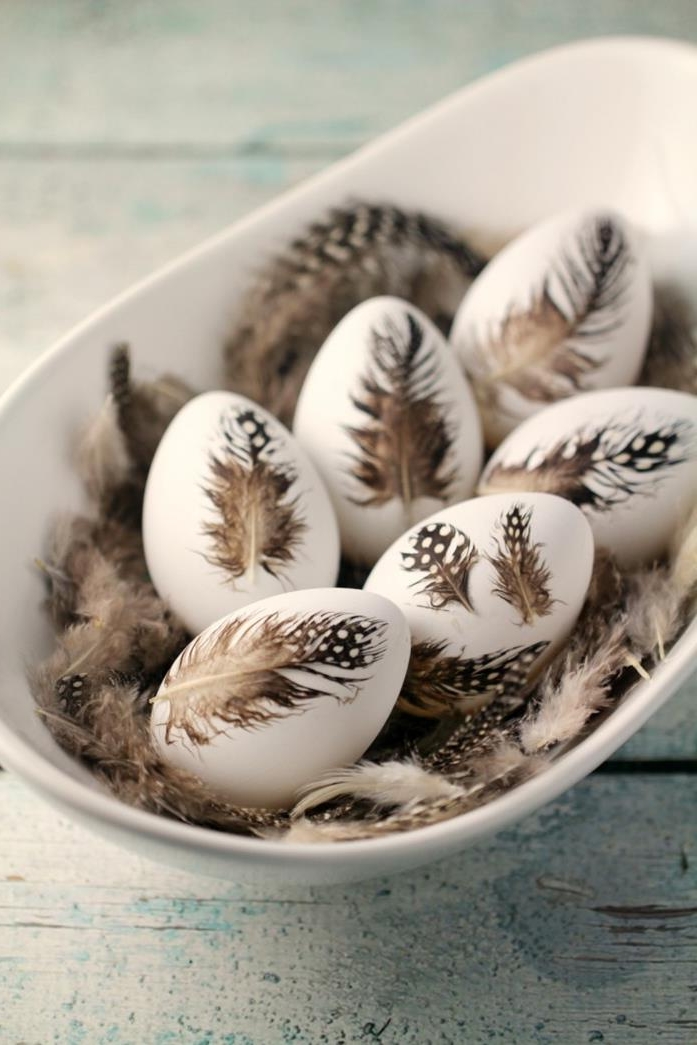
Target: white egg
point(564, 308)
point(627, 457)
point(491, 589)
point(270, 697)
point(234, 511)
point(390, 422)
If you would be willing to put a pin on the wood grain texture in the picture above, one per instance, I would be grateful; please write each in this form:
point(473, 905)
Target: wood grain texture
point(74, 234)
point(579, 925)
point(268, 75)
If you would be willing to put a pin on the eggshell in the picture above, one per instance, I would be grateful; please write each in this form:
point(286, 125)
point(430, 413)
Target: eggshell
point(564, 308)
point(627, 457)
point(390, 422)
point(491, 589)
point(234, 511)
point(270, 697)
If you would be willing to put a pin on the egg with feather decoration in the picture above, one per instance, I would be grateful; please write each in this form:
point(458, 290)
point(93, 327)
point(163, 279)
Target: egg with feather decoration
point(270, 697)
point(233, 511)
point(564, 308)
point(627, 457)
point(390, 423)
point(491, 589)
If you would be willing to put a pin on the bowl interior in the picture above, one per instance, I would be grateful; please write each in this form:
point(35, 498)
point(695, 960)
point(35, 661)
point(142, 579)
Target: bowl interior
point(607, 122)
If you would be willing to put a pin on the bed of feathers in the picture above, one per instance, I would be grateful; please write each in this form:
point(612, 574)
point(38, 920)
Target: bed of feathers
point(115, 638)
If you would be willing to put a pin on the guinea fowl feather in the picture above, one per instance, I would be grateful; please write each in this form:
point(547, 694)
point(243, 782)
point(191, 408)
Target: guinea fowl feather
point(256, 517)
point(384, 785)
point(599, 467)
point(432, 798)
point(545, 349)
point(442, 557)
point(439, 684)
point(522, 576)
point(358, 251)
point(255, 669)
point(144, 408)
point(403, 442)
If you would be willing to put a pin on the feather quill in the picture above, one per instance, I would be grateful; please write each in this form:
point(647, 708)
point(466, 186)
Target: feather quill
point(654, 611)
point(659, 597)
point(442, 557)
point(356, 252)
point(522, 576)
point(257, 520)
point(600, 467)
point(403, 442)
point(256, 669)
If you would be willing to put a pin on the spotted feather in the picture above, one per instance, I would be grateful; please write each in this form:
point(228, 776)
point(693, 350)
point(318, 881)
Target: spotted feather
point(443, 556)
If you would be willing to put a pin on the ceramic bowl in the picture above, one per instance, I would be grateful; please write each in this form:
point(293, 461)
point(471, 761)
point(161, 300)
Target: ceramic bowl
point(602, 122)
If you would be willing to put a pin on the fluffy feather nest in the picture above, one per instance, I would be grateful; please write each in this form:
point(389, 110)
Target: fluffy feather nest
point(115, 639)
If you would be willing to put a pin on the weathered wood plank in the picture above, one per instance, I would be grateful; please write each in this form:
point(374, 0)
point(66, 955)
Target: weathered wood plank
point(671, 733)
point(248, 76)
point(74, 234)
point(580, 925)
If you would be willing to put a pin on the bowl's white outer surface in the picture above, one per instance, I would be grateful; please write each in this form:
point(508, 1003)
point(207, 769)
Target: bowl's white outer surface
point(607, 122)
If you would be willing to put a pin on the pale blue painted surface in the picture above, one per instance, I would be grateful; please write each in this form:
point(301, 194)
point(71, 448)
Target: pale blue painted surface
point(577, 925)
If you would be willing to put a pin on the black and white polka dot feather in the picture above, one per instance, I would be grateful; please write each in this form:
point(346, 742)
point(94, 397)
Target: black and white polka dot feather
point(282, 663)
point(603, 465)
point(347, 642)
point(73, 692)
point(439, 684)
point(441, 556)
point(246, 435)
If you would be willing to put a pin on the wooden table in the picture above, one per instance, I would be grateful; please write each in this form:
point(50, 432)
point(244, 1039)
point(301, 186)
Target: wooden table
point(128, 132)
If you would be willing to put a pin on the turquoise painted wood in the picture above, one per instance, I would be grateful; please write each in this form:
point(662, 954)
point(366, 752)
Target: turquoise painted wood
point(577, 926)
point(129, 131)
point(268, 75)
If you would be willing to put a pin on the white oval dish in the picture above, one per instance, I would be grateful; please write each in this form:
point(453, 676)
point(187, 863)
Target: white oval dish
point(634, 98)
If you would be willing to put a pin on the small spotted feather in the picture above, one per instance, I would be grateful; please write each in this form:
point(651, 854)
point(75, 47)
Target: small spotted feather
point(444, 556)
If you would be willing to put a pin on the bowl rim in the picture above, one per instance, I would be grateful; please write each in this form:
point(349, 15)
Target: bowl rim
point(99, 805)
